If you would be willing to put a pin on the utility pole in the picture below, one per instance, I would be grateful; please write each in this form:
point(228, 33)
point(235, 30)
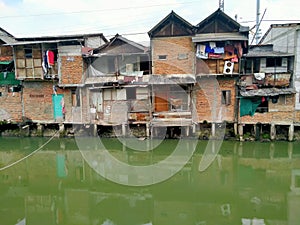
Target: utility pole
point(221, 5)
point(257, 33)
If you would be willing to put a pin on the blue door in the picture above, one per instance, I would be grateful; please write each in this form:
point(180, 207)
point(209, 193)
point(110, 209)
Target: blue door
point(57, 101)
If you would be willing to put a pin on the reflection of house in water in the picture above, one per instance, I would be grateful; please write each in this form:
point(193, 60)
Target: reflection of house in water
point(293, 198)
point(245, 183)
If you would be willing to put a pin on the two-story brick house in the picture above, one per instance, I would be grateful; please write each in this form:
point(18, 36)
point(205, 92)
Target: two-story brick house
point(173, 77)
point(220, 44)
point(202, 63)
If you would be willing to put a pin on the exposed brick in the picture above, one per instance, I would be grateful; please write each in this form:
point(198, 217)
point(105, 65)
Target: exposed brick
point(209, 96)
point(173, 48)
point(71, 70)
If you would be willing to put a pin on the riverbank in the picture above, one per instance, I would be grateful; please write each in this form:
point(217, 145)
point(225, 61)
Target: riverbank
point(202, 132)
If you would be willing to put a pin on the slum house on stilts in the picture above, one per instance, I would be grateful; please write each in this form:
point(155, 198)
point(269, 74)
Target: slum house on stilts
point(266, 95)
point(172, 78)
point(50, 72)
point(220, 43)
point(116, 87)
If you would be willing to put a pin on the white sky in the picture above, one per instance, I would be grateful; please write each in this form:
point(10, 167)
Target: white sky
point(28, 18)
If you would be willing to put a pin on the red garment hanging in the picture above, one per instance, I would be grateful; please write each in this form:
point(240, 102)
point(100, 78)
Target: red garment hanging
point(50, 57)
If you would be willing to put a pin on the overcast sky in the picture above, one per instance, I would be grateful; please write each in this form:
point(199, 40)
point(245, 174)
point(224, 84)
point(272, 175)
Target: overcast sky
point(133, 19)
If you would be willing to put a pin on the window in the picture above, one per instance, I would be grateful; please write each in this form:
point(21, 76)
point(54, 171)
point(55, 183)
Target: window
point(178, 98)
point(182, 56)
point(131, 93)
point(162, 57)
point(263, 107)
point(273, 62)
point(28, 53)
point(282, 99)
point(226, 97)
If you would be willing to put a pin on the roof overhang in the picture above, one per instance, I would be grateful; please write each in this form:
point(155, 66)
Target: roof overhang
point(267, 92)
point(219, 37)
point(44, 41)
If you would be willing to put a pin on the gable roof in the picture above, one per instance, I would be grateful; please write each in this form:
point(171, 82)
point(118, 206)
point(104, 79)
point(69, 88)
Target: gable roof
point(118, 41)
point(6, 37)
point(187, 28)
point(287, 25)
point(219, 22)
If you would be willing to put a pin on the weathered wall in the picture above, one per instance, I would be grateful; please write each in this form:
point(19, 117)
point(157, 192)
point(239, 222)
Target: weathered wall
point(10, 105)
point(279, 113)
point(209, 99)
point(180, 55)
point(297, 116)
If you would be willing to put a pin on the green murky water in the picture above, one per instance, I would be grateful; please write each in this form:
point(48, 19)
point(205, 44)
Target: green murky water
point(246, 183)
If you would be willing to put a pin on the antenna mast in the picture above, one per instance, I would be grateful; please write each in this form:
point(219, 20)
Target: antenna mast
point(221, 5)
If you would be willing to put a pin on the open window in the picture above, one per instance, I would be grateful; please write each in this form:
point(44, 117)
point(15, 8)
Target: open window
point(226, 97)
point(274, 62)
point(263, 106)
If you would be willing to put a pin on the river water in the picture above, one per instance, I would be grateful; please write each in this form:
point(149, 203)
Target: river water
point(248, 183)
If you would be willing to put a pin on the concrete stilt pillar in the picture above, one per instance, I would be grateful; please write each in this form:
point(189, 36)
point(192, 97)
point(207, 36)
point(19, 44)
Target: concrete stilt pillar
point(241, 132)
point(40, 130)
point(194, 128)
point(290, 150)
point(95, 130)
point(213, 130)
point(291, 132)
point(151, 132)
point(187, 131)
point(123, 129)
point(61, 130)
point(147, 130)
point(235, 128)
point(273, 132)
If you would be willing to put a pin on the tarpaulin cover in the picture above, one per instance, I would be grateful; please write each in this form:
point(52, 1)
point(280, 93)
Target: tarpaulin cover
point(248, 106)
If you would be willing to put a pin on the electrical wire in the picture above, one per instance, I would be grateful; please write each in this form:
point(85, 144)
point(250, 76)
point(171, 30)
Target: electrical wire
point(27, 156)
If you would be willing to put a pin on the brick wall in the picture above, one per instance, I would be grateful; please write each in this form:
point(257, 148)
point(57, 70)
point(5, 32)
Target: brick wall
point(71, 69)
point(37, 97)
point(10, 105)
point(180, 55)
point(209, 99)
point(280, 113)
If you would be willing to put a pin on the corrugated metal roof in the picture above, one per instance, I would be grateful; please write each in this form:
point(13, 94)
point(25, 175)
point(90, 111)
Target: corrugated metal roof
point(172, 79)
point(267, 92)
point(219, 37)
point(44, 41)
point(262, 53)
